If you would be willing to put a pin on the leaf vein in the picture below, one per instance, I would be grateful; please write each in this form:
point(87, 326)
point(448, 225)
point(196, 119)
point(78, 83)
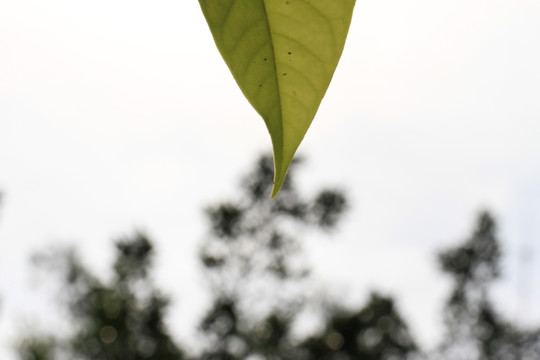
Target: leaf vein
point(238, 41)
point(307, 49)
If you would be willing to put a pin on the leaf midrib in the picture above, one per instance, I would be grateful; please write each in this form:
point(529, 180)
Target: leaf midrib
point(277, 168)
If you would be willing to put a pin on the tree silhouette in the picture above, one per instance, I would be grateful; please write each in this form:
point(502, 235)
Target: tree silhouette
point(259, 281)
point(37, 347)
point(375, 332)
point(120, 320)
point(474, 329)
point(252, 239)
point(252, 260)
point(261, 289)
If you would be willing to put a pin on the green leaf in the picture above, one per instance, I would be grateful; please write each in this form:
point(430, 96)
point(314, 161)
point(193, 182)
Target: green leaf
point(282, 54)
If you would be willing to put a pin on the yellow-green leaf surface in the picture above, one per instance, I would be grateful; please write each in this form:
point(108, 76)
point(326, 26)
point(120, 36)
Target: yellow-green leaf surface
point(282, 54)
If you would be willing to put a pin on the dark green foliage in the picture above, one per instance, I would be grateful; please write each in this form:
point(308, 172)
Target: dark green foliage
point(37, 348)
point(372, 333)
point(234, 338)
point(120, 320)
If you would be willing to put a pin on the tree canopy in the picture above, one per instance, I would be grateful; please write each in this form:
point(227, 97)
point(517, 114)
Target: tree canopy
point(475, 329)
point(260, 282)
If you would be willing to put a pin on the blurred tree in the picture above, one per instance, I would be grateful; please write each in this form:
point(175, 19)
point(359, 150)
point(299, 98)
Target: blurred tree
point(376, 332)
point(121, 320)
point(260, 286)
point(474, 329)
point(254, 266)
point(253, 260)
point(252, 247)
point(36, 347)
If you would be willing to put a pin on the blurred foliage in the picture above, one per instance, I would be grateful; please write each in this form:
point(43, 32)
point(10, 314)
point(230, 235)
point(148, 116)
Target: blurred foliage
point(119, 320)
point(261, 285)
point(37, 347)
point(475, 330)
point(262, 290)
point(376, 331)
point(253, 238)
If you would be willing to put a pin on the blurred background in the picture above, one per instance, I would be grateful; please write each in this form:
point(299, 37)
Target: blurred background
point(131, 174)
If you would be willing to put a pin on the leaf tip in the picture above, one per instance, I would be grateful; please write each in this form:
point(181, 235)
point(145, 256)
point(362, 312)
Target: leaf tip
point(279, 178)
point(281, 167)
point(275, 190)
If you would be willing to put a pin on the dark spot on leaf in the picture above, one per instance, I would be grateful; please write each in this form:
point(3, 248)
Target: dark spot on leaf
point(284, 74)
point(289, 53)
point(260, 85)
point(265, 59)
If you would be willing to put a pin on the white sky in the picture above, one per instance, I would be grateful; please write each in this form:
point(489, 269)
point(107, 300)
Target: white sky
point(119, 115)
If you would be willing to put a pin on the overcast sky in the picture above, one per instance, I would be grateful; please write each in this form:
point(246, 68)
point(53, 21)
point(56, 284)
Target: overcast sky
point(118, 115)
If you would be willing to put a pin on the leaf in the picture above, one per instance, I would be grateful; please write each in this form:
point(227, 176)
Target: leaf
point(282, 54)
